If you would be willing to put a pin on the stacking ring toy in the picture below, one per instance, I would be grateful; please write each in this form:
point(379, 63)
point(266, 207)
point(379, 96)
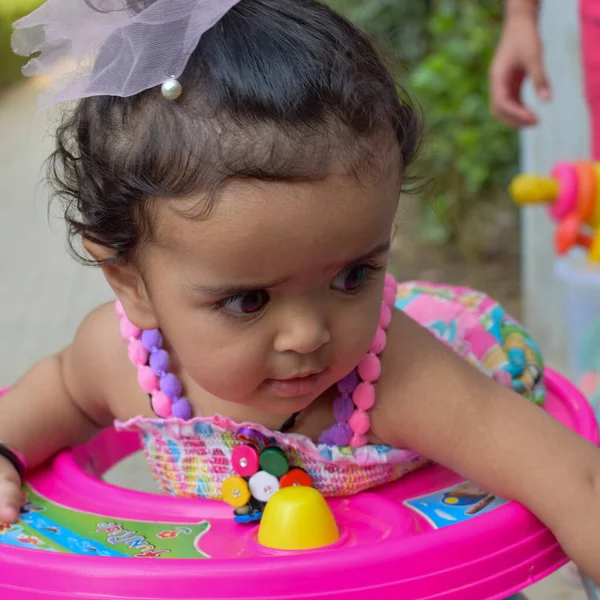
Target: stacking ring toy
point(573, 194)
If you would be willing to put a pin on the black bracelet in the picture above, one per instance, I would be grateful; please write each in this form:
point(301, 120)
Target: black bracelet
point(13, 458)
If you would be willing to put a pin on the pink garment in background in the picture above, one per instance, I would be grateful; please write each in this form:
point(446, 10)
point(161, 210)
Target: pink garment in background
point(590, 41)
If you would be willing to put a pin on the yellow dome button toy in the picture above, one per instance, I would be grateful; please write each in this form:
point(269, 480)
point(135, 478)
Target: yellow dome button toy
point(297, 518)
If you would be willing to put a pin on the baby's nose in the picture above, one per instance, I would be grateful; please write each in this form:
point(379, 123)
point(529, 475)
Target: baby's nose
point(304, 332)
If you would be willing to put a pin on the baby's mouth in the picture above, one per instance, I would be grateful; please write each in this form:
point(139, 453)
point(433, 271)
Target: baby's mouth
point(299, 385)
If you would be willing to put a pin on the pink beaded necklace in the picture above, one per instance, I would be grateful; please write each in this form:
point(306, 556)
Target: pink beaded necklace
point(356, 390)
point(152, 361)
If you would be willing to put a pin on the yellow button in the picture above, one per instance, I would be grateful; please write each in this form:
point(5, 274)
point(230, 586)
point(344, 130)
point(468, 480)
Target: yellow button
point(235, 492)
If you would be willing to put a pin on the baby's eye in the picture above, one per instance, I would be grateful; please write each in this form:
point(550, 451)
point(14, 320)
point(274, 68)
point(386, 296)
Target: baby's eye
point(246, 302)
point(351, 279)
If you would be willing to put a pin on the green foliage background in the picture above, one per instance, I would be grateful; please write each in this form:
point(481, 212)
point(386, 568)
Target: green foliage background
point(446, 47)
point(10, 11)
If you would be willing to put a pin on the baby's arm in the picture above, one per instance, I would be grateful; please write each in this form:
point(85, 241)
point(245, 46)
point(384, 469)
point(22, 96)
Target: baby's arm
point(433, 402)
point(58, 403)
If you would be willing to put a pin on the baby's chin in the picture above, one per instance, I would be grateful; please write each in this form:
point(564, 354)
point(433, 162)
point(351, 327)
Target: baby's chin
point(284, 407)
point(272, 411)
point(272, 398)
point(261, 407)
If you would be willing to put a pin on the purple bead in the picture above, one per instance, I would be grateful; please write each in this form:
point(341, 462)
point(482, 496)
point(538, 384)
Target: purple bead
point(170, 386)
point(343, 407)
point(182, 409)
point(348, 384)
point(159, 361)
point(324, 438)
point(339, 434)
point(151, 339)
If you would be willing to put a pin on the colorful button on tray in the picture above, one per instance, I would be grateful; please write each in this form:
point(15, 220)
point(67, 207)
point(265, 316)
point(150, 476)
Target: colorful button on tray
point(251, 517)
point(251, 437)
point(263, 485)
point(274, 461)
point(235, 492)
point(295, 477)
point(245, 460)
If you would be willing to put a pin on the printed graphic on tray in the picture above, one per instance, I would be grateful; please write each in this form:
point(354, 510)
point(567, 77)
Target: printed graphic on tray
point(46, 525)
point(454, 505)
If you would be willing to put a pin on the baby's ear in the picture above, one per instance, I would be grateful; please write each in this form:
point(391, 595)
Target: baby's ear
point(127, 283)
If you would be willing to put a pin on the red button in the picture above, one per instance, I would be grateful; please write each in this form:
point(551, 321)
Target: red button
point(295, 477)
point(245, 460)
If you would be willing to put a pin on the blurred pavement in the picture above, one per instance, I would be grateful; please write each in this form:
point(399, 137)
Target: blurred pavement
point(44, 293)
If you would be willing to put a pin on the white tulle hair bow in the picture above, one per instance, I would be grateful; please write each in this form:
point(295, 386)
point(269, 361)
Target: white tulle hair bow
point(112, 47)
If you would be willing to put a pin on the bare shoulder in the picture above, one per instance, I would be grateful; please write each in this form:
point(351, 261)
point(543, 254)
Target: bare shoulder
point(97, 370)
point(416, 368)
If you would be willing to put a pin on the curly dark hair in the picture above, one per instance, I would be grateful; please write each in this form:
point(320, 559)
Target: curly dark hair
point(277, 90)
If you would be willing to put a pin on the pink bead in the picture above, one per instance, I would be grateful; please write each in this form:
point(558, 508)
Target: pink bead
point(129, 330)
point(379, 341)
point(360, 422)
point(138, 355)
point(389, 296)
point(119, 308)
point(162, 405)
point(369, 368)
point(385, 317)
point(358, 441)
point(147, 379)
point(364, 396)
point(390, 281)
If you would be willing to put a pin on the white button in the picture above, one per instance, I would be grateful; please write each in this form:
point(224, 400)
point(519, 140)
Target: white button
point(263, 485)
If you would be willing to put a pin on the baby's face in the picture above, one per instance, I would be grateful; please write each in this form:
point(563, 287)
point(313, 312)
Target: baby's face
point(276, 295)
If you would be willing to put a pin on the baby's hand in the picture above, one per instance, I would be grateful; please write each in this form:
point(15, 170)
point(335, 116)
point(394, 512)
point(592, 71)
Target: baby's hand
point(10, 492)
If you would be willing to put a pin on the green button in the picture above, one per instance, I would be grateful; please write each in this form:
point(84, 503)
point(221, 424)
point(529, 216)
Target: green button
point(274, 462)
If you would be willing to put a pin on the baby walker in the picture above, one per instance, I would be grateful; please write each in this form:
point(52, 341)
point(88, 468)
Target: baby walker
point(428, 535)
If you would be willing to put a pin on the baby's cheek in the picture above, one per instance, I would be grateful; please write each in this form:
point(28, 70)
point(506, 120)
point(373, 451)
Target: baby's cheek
point(229, 372)
point(355, 328)
point(351, 343)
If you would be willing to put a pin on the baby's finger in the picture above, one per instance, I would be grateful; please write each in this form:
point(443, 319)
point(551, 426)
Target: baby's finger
point(10, 501)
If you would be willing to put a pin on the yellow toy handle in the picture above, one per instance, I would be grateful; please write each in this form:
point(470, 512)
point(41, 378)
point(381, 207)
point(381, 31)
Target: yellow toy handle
point(533, 189)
